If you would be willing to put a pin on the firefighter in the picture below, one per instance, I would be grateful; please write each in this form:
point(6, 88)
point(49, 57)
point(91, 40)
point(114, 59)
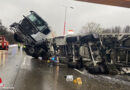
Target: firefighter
point(18, 45)
point(24, 47)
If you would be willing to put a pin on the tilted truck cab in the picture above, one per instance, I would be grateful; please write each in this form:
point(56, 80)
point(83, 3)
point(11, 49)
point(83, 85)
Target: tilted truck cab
point(32, 31)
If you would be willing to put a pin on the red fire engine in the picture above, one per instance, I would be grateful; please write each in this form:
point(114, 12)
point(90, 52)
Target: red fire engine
point(4, 45)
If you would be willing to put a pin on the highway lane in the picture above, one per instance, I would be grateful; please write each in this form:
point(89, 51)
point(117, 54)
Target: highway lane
point(10, 62)
point(21, 72)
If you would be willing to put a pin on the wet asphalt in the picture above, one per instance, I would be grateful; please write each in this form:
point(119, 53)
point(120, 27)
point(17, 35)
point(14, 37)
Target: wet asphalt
point(21, 72)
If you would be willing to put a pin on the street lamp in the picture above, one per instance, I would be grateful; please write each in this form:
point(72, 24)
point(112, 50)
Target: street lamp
point(65, 18)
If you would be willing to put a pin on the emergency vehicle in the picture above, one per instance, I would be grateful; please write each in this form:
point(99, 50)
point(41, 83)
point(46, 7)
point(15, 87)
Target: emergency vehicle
point(4, 45)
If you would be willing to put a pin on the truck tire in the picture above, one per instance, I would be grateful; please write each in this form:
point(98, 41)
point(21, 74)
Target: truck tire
point(71, 65)
point(31, 51)
point(94, 70)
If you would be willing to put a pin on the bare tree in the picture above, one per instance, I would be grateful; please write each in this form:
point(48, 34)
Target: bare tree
point(127, 29)
point(91, 28)
point(107, 31)
point(0, 23)
point(116, 29)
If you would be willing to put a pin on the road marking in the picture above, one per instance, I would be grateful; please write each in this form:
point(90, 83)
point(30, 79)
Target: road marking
point(103, 77)
point(14, 45)
point(79, 71)
point(12, 88)
point(24, 62)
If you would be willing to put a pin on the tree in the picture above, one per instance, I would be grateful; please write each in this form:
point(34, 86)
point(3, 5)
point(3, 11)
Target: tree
point(127, 29)
point(116, 29)
point(107, 31)
point(8, 35)
point(91, 28)
point(0, 23)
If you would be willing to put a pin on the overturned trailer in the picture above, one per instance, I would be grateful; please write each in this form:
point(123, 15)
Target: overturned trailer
point(32, 31)
point(106, 53)
point(97, 53)
point(117, 52)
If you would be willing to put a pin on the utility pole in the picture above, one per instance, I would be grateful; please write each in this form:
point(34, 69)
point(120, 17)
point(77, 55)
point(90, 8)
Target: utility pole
point(65, 19)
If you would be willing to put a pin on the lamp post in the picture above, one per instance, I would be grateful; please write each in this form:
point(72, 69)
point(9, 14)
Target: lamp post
point(65, 18)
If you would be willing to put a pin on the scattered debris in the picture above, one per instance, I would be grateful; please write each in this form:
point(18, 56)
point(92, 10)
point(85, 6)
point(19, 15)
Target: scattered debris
point(48, 61)
point(69, 77)
point(77, 81)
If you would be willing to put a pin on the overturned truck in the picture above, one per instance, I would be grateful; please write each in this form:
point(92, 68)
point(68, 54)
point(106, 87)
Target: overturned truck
point(32, 31)
point(107, 53)
point(116, 49)
point(97, 53)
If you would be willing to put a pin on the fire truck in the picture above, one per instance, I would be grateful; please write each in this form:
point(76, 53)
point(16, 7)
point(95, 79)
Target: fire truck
point(4, 45)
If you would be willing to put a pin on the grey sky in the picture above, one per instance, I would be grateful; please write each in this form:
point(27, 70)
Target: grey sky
point(53, 12)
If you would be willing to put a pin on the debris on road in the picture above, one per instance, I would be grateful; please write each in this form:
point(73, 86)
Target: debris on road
point(77, 81)
point(69, 77)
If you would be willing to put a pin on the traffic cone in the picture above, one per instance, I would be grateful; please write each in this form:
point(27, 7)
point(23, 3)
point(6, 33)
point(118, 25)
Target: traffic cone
point(1, 83)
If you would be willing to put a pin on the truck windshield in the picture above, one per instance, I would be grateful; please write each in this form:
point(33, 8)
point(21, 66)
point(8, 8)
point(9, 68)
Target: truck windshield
point(37, 21)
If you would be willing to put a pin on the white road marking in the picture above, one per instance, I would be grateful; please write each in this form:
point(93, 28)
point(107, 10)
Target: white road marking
point(12, 88)
point(79, 71)
point(24, 62)
point(108, 78)
point(14, 45)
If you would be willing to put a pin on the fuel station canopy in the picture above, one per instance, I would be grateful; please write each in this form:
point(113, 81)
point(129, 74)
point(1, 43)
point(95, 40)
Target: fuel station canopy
point(121, 3)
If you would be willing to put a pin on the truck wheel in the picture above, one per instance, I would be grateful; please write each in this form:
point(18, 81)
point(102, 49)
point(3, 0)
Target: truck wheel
point(71, 65)
point(31, 51)
point(35, 57)
point(102, 70)
point(112, 69)
point(94, 70)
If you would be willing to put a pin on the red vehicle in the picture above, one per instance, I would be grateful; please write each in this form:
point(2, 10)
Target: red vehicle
point(4, 45)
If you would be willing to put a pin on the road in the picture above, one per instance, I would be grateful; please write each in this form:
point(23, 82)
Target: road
point(21, 72)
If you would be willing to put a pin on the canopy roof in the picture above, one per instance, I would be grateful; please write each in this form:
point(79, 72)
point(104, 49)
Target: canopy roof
point(121, 3)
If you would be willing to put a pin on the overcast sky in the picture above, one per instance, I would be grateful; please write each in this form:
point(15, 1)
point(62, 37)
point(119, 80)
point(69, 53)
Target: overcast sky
point(53, 11)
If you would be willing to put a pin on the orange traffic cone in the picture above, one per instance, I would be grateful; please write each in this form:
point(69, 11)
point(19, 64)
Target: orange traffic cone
point(1, 84)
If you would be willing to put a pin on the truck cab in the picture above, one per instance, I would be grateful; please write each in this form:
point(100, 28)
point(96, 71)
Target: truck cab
point(32, 31)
